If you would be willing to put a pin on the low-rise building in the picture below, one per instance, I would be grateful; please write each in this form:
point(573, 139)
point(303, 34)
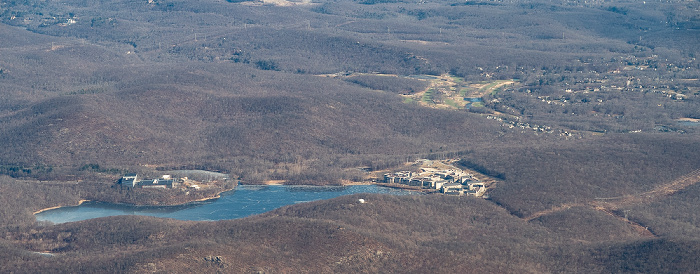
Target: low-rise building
point(129, 180)
point(438, 184)
point(448, 181)
point(452, 189)
point(132, 180)
point(403, 177)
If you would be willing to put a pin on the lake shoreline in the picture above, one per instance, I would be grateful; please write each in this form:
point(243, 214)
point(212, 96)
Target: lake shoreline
point(80, 202)
point(245, 201)
point(284, 183)
point(218, 195)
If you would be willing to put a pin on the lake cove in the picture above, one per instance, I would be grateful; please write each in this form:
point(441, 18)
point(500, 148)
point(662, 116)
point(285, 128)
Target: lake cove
point(246, 200)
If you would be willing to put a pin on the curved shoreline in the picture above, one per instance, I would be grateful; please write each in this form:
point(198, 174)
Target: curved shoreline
point(217, 196)
point(80, 202)
point(284, 183)
point(270, 197)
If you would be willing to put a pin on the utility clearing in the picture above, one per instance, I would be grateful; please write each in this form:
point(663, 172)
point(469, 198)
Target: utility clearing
point(614, 205)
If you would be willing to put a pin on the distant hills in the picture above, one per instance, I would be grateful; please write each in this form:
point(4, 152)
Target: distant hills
point(179, 83)
point(310, 92)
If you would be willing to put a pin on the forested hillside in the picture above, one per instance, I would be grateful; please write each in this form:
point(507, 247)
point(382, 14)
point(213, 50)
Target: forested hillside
point(586, 112)
point(385, 234)
point(215, 84)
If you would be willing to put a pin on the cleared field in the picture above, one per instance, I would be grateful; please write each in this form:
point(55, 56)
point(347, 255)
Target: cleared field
point(450, 92)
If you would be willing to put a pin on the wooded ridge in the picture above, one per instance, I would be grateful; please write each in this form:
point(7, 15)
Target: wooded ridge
point(568, 104)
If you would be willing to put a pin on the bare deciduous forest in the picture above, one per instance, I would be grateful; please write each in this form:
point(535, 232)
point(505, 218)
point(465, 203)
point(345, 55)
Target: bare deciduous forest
point(581, 104)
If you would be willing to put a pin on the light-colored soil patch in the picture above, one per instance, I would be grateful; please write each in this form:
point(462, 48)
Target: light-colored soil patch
point(353, 183)
point(274, 182)
point(422, 42)
point(491, 87)
point(279, 3)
